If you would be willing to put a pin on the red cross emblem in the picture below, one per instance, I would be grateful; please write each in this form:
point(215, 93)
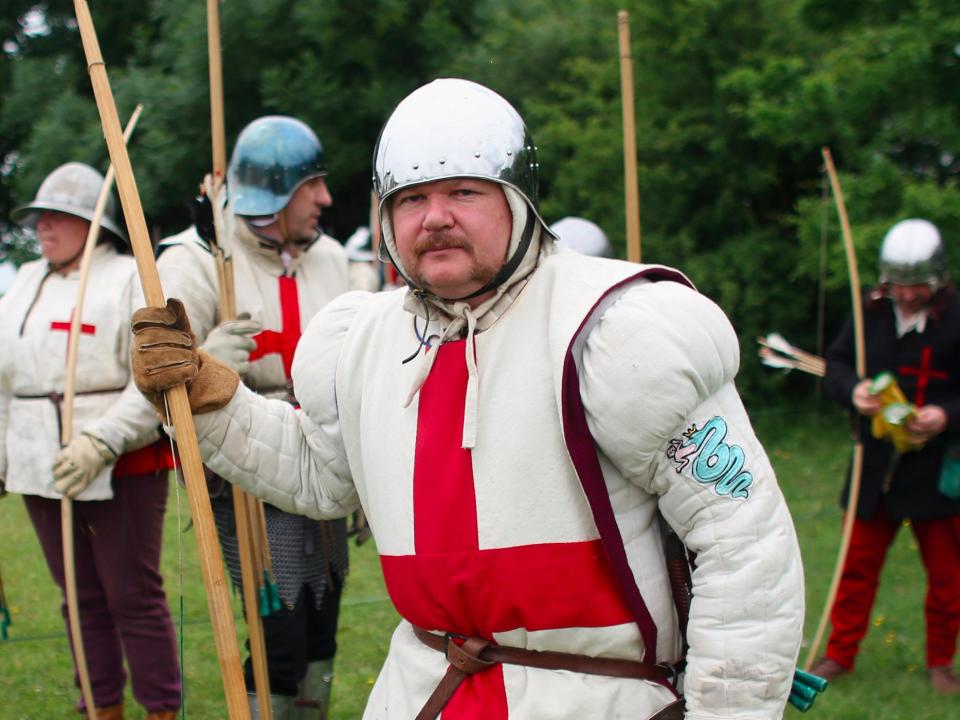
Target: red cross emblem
point(451, 584)
point(284, 343)
point(923, 375)
point(85, 329)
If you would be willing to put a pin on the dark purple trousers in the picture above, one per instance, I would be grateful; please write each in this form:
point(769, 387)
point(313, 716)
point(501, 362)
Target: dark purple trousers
point(123, 609)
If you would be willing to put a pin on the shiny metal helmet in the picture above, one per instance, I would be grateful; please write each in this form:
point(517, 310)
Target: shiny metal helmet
point(582, 236)
point(273, 156)
point(912, 254)
point(72, 188)
point(453, 128)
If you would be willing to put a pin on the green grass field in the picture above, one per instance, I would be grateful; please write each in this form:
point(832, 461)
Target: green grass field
point(808, 450)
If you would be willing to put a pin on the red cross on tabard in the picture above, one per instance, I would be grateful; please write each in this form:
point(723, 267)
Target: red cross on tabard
point(453, 585)
point(85, 329)
point(270, 342)
point(923, 374)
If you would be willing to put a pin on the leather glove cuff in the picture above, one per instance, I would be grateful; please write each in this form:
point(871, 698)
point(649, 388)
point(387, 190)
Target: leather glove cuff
point(214, 385)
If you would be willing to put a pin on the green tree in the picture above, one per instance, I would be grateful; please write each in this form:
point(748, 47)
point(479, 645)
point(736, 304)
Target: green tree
point(734, 100)
point(337, 66)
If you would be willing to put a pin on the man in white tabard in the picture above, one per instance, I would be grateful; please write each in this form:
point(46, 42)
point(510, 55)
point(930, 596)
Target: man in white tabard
point(515, 423)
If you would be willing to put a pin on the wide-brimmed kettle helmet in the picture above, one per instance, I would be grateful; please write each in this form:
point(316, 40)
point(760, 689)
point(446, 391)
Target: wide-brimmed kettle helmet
point(72, 188)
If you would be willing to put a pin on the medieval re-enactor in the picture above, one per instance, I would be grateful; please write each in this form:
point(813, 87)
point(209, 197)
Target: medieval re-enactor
point(285, 270)
point(512, 423)
point(115, 467)
point(911, 329)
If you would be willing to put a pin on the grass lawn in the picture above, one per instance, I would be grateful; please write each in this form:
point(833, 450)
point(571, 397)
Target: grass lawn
point(808, 450)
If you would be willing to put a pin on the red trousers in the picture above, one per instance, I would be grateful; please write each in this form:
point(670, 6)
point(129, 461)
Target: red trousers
point(939, 542)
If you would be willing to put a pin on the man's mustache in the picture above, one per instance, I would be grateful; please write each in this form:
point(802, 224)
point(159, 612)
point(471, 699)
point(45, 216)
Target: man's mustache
point(438, 241)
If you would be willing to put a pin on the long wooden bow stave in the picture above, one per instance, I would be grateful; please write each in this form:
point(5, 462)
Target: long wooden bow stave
point(856, 471)
point(246, 508)
point(66, 430)
point(211, 565)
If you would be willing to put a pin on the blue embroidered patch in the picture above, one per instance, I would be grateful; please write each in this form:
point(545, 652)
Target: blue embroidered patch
point(711, 459)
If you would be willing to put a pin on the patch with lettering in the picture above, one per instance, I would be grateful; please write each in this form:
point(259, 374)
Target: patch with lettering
point(712, 461)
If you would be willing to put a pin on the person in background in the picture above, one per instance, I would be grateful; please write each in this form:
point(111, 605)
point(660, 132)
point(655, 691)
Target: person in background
point(286, 269)
point(115, 468)
point(912, 330)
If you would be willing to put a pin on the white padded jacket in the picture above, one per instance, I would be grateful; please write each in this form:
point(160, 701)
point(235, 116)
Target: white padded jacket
point(655, 363)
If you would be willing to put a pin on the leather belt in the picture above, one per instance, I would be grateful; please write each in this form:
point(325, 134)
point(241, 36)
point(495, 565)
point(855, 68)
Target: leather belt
point(469, 655)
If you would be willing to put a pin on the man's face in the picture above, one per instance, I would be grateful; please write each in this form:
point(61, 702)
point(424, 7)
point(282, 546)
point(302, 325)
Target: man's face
point(302, 213)
point(61, 236)
point(911, 299)
point(452, 235)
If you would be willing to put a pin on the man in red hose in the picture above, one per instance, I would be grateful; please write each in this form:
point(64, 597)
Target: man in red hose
point(912, 330)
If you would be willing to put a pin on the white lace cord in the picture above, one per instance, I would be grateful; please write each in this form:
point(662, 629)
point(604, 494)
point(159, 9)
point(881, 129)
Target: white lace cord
point(425, 361)
point(180, 563)
point(471, 401)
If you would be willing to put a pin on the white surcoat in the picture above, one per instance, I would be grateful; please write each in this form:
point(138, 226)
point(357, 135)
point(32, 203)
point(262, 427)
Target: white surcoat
point(34, 316)
point(500, 540)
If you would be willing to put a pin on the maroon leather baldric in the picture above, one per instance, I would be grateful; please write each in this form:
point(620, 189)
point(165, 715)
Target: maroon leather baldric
point(474, 655)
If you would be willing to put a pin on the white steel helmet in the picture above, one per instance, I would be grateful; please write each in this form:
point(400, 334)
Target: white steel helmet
point(454, 128)
point(912, 254)
point(582, 236)
point(72, 188)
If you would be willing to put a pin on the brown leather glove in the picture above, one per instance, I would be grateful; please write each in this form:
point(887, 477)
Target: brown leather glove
point(164, 355)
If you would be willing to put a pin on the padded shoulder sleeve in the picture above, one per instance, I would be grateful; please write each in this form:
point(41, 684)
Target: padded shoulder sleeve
point(293, 458)
point(657, 383)
point(655, 354)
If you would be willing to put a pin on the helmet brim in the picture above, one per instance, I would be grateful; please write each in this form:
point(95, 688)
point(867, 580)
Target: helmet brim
point(22, 216)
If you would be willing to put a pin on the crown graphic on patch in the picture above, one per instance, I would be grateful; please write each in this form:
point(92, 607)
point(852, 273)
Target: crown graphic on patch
point(688, 433)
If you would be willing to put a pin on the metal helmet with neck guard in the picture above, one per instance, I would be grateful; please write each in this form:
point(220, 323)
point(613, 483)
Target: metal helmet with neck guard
point(455, 128)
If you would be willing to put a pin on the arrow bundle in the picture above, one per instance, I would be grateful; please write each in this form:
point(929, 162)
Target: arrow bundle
point(805, 689)
point(776, 352)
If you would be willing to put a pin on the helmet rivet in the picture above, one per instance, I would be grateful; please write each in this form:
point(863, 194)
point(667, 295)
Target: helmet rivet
point(509, 153)
point(476, 154)
point(416, 166)
point(443, 161)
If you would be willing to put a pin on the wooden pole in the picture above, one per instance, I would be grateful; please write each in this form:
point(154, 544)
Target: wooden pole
point(218, 136)
point(861, 367)
point(66, 431)
point(246, 544)
point(251, 605)
point(631, 186)
point(218, 598)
